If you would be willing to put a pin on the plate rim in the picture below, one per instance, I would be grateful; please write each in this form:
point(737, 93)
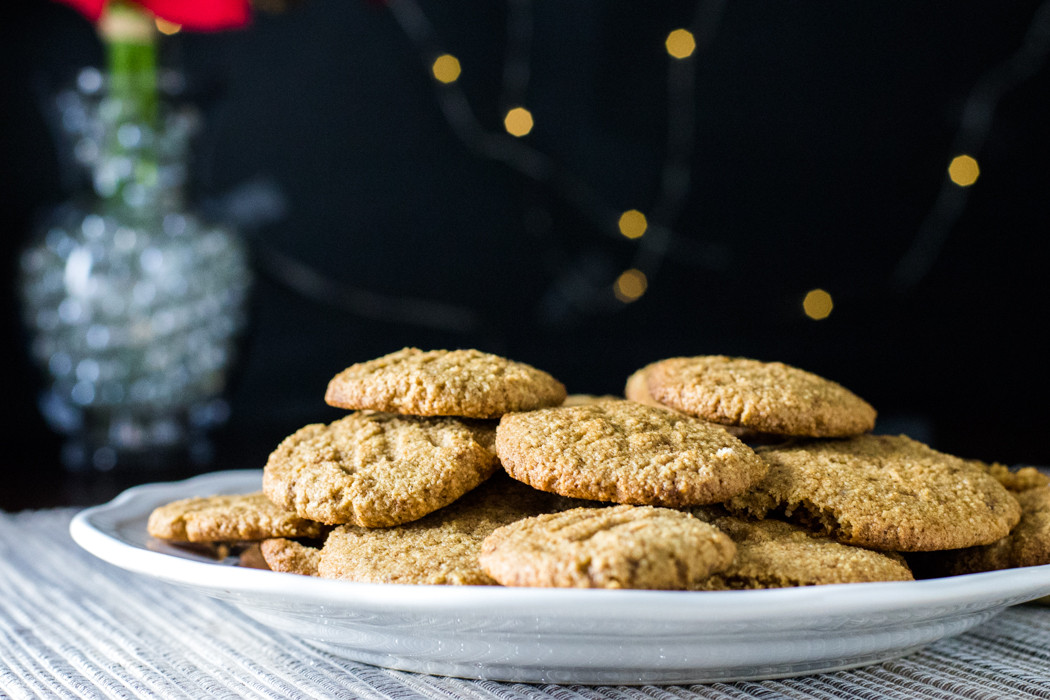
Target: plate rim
point(90, 532)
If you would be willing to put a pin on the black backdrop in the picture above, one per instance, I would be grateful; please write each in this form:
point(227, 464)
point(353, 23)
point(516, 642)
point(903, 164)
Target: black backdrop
point(822, 135)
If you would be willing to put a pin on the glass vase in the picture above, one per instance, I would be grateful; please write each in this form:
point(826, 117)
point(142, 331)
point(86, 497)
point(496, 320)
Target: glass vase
point(133, 302)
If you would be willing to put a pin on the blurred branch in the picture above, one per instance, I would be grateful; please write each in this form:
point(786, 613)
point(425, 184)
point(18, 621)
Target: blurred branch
point(974, 126)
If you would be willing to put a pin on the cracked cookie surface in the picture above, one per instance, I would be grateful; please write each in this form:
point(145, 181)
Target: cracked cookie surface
point(768, 397)
point(228, 519)
point(883, 492)
point(625, 452)
point(290, 557)
point(441, 548)
point(466, 383)
point(378, 469)
point(616, 547)
point(776, 554)
point(1028, 544)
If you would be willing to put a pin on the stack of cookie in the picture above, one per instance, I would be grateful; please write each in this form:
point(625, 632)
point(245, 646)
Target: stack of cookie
point(462, 467)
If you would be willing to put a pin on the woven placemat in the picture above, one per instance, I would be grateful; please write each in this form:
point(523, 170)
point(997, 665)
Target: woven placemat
point(72, 626)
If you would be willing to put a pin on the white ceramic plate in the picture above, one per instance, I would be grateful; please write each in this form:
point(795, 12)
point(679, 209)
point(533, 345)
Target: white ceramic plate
point(561, 635)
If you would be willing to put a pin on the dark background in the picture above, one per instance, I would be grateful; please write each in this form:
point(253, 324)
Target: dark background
point(817, 158)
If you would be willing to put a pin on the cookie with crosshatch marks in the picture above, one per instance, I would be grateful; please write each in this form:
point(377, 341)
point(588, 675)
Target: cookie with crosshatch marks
point(615, 547)
point(626, 452)
point(439, 549)
point(230, 518)
point(378, 469)
point(883, 492)
point(769, 397)
point(467, 383)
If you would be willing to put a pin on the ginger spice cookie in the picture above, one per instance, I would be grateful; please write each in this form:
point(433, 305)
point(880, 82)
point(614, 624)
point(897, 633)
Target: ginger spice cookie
point(289, 556)
point(466, 383)
point(228, 519)
point(1028, 544)
point(615, 547)
point(768, 397)
point(378, 469)
point(775, 554)
point(883, 492)
point(441, 548)
point(637, 388)
point(626, 452)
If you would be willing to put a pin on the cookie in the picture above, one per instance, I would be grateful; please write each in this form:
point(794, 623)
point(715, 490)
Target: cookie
point(776, 554)
point(290, 557)
point(441, 548)
point(1020, 479)
point(584, 399)
point(883, 492)
point(466, 383)
point(1028, 544)
point(378, 469)
point(625, 452)
point(768, 397)
point(637, 388)
point(228, 519)
point(616, 547)
point(252, 558)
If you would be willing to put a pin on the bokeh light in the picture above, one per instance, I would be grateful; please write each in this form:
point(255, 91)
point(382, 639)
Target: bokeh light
point(446, 68)
point(817, 304)
point(630, 285)
point(518, 122)
point(963, 170)
point(680, 43)
point(166, 27)
point(633, 223)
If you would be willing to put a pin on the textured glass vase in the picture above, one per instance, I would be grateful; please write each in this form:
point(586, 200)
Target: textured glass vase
point(133, 302)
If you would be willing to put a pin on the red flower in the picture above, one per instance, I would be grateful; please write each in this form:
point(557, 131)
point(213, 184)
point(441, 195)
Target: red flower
point(198, 15)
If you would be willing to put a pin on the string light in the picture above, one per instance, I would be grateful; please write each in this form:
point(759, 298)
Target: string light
point(630, 285)
point(518, 122)
point(963, 170)
point(166, 27)
point(633, 223)
point(680, 43)
point(446, 68)
point(817, 304)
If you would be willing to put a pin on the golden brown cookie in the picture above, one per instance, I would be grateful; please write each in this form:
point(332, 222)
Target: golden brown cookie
point(615, 547)
point(768, 397)
point(584, 399)
point(626, 452)
point(1018, 479)
point(1028, 544)
point(637, 388)
point(441, 548)
point(252, 558)
point(775, 554)
point(290, 557)
point(378, 469)
point(228, 519)
point(466, 383)
point(883, 492)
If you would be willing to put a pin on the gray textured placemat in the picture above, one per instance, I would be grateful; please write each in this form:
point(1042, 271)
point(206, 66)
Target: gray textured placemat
point(72, 626)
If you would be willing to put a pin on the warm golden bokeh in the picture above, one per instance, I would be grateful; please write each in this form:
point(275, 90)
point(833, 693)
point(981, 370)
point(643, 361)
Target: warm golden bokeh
point(518, 121)
point(963, 170)
point(680, 43)
point(633, 223)
point(817, 304)
point(446, 68)
point(630, 285)
point(166, 27)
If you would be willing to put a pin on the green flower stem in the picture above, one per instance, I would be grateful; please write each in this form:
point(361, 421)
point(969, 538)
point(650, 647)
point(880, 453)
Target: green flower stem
point(129, 37)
